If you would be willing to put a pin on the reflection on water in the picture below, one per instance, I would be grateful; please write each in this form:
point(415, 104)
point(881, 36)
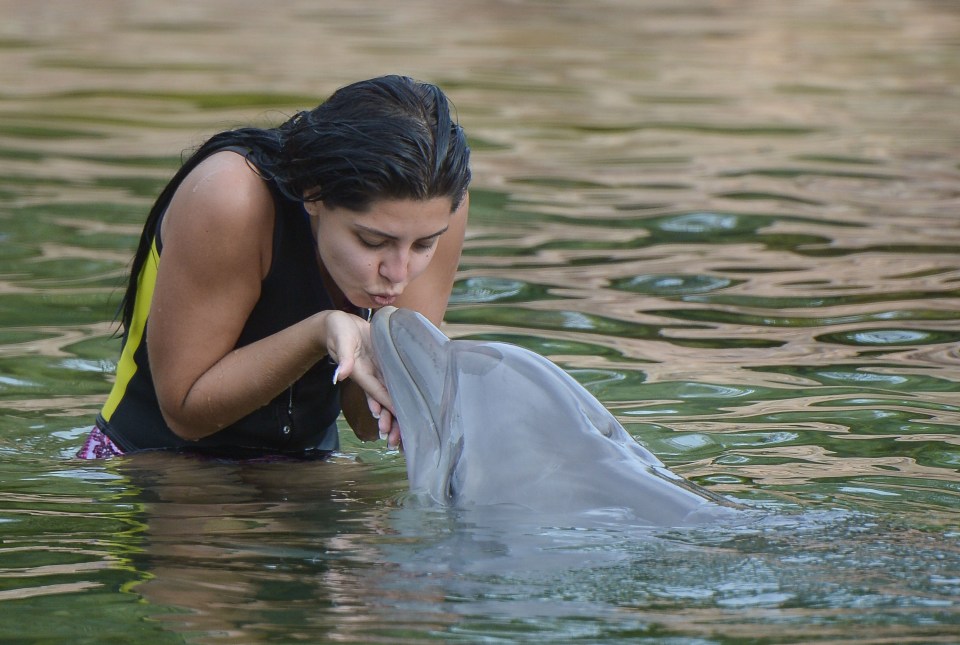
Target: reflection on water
point(735, 223)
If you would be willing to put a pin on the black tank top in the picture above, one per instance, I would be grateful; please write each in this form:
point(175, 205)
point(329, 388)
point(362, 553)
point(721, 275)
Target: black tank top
point(302, 420)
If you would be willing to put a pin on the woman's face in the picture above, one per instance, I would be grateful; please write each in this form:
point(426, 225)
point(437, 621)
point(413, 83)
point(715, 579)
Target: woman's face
point(374, 255)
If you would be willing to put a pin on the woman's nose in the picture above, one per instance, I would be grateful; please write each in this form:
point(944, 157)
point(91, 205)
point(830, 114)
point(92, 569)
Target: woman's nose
point(395, 267)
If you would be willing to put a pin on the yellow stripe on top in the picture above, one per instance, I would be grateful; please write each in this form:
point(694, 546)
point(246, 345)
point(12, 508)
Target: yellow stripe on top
point(127, 366)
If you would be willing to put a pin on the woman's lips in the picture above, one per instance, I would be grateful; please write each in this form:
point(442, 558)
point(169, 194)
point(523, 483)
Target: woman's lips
point(383, 300)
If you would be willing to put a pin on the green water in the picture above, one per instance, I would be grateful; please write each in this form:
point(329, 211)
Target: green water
point(735, 222)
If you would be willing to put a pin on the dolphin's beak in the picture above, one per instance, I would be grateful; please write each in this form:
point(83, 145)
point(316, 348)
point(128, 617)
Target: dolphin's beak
point(410, 350)
point(413, 356)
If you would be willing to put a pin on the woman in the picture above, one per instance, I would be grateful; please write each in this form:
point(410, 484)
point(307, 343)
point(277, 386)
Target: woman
point(246, 315)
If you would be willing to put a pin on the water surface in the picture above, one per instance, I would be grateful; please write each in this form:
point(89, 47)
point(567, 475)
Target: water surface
point(735, 222)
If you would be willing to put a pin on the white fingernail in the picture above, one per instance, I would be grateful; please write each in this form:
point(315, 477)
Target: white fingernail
point(336, 375)
point(384, 435)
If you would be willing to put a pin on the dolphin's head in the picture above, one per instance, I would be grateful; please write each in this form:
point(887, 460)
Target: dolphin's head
point(487, 422)
point(413, 357)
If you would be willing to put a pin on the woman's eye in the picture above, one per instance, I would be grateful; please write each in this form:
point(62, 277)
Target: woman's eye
point(426, 244)
point(420, 245)
point(371, 244)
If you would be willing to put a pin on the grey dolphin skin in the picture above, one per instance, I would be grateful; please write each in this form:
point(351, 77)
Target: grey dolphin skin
point(487, 423)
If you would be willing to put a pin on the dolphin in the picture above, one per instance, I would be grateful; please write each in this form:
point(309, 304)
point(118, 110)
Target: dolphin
point(490, 423)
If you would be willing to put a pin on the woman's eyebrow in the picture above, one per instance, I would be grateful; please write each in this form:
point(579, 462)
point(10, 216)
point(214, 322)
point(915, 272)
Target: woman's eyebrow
point(373, 231)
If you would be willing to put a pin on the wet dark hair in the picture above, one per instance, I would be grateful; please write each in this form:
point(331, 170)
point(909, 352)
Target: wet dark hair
point(385, 138)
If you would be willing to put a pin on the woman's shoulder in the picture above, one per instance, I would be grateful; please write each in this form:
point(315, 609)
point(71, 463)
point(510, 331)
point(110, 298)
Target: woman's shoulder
point(230, 171)
point(223, 199)
point(225, 185)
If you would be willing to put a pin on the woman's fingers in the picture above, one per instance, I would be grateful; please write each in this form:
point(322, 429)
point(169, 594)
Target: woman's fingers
point(394, 440)
point(367, 377)
point(389, 429)
point(387, 425)
point(383, 424)
point(374, 406)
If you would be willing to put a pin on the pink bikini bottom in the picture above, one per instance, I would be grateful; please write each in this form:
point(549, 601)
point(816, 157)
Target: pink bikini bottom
point(98, 446)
